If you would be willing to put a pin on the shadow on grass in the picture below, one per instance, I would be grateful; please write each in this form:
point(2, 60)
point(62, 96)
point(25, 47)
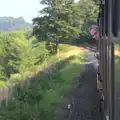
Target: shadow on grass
point(82, 41)
point(38, 97)
point(86, 42)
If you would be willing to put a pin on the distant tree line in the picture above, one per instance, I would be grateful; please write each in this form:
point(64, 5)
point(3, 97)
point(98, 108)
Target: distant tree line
point(8, 24)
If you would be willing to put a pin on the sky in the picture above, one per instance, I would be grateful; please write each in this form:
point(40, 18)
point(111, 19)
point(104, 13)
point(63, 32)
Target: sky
point(24, 8)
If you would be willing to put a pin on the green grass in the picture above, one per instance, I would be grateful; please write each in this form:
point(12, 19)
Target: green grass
point(117, 69)
point(117, 64)
point(38, 101)
point(65, 48)
point(117, 47)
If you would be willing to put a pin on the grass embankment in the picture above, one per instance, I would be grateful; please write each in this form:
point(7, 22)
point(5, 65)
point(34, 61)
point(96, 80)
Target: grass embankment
point(117, 64)
point(46, 88)
point(117, 50)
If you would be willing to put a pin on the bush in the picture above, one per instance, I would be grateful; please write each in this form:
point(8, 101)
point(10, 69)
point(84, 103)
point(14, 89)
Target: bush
point(2, 84)
point(14, 78)
point(51, 47)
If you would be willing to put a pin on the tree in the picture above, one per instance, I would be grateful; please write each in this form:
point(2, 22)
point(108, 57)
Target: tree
point(64, 19)
point(56, 24)
point(11, 46)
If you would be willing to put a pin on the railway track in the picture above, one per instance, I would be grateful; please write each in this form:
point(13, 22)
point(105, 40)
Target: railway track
point(85, 102)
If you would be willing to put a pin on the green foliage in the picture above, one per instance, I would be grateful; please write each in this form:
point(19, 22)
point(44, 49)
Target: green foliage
point(51, 47)
point(64, 20)
point(35, 92)
point(17, 54)
point(9, 52)
point(24, 59)
point(53, 27)
point(14, 78)
point(2, 84)
point(44, 92)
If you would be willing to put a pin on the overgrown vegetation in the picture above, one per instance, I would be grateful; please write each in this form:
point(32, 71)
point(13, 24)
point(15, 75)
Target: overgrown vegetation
point(64, 20)
point(38, 79)
point(45, 88)
point(39, 68)
point(44, 92)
